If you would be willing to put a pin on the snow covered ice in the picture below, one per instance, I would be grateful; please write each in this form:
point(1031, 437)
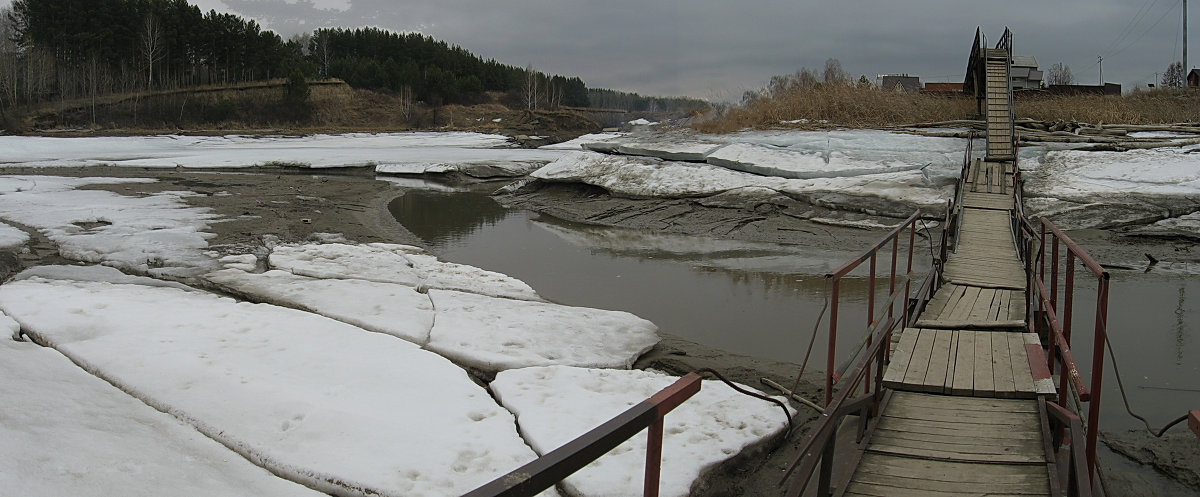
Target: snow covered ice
point(156, 234)
point(472, 327)
point(391, 263)
point(556, 404)
point(326, 403)
point(66, 432)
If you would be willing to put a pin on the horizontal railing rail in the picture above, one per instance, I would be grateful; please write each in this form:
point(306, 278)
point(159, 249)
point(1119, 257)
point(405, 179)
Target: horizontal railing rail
point(546, 471)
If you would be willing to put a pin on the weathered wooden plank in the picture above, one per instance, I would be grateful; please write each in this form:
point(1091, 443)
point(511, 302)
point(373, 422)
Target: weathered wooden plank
point(983, 305)
point(1002, 369)
point(959, 429)
point(919, 364)
point(1023, 484)
point(956, 471)
point(975, 444)
point(940, 454)
point(965, 403)
point(962, 310)
point(953, 416)
point(985, 384)
point(963, 380)
point(939, 361)
point(1022, 378)
point(901, 357)
point(1043, 383)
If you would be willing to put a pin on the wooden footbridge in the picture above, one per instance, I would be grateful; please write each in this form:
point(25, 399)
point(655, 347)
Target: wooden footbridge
point(965, 387)
point(960, 398)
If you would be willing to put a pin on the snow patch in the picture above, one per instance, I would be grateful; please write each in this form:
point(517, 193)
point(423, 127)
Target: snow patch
point(556, 404)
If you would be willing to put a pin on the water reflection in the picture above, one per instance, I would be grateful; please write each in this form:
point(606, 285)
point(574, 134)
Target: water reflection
point(758, 299)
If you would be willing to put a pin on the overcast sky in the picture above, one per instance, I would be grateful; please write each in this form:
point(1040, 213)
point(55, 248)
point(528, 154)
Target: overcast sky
point(716, 49)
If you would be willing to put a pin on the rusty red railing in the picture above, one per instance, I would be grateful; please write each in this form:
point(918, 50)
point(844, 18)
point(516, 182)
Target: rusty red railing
point(548, 470)
point(819, 444)
point(1053, 321)
point(894, 280)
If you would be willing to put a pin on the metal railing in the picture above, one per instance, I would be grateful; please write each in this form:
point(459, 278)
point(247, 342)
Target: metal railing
point(548, 470)
point(894, 280)
point(819, 444)
point(1052, 320)
point(1067, 422)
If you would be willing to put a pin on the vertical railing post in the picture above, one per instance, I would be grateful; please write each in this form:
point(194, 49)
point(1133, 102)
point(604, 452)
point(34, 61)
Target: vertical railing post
point(653, 457)
point(870, 313)
point(1068, 297)
point(912, 242)
point(833, 319)
point(1093, 427)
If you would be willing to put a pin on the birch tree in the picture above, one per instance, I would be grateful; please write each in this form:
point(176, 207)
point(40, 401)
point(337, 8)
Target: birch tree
point(151, 46)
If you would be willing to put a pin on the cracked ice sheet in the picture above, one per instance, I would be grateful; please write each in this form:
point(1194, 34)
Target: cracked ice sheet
point(67, 432)
point(647, 177)
point(556, 404)
point(317, 151)
point(158, 234)
point(494, 334)
point(389, 308)
point(390, 263)
point(325, 403)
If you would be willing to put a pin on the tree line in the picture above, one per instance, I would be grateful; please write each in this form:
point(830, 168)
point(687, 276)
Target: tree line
point(52, 50)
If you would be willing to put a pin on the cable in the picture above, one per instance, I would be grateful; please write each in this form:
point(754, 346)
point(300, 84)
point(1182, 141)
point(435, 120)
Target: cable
point(1125, 399)
point(812, 340)
point(786, 412)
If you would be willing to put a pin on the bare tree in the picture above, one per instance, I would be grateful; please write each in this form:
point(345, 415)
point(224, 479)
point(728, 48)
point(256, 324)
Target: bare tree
point(406, 102)
point(834, 74)
point(321, 50)
point(10, 70)
point(529, 90)
point(1060, 75)
point(151, 46)
point(1173, 78)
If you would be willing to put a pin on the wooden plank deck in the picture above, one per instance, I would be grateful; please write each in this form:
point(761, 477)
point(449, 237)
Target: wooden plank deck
point(965, 307)
point(932, 445)
point(986, 255)
point(966, 362)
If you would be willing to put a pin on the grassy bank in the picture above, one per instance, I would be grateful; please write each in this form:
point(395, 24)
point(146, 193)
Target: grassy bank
point(328, 107)
point(858, 107)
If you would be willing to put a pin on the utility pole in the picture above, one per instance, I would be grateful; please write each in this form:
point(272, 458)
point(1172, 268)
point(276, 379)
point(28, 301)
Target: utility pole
point(1100, 60)
point(1185, 64)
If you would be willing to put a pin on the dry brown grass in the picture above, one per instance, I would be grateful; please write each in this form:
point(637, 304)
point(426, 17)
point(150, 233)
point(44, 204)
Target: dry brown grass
point(1140, 107)
point(841, 105)
point(854, 107)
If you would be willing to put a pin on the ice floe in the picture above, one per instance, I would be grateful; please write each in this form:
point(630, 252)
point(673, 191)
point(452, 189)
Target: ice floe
point(157, 234)
point(389, 308)
point(67, 432)
point(321, 402)
point(493, 334)
point(390, 263)
point(556, 404)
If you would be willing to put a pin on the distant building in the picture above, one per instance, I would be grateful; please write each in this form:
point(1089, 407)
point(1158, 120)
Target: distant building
point(899, 82)
point(1105, 89)
point(1193, 78)
point(943, 88)
point(1025, 73)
